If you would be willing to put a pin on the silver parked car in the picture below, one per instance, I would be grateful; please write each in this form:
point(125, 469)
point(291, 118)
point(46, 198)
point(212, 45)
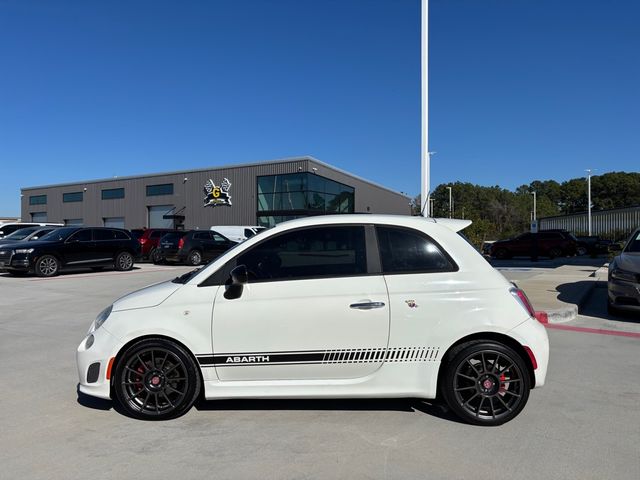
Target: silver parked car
point(624, 277)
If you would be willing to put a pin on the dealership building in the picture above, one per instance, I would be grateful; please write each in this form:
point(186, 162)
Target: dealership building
point(264, 193)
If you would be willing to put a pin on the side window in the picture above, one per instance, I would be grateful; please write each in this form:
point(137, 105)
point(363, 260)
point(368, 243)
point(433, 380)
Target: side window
point(202, 236)
point(409, 251)
point(101, 235)
point(248, 233)
point(218, 238)
point(81, 236)
point(119, 235)
point(308, 253)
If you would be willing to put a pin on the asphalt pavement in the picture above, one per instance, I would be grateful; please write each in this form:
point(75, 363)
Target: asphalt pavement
point(584, 424)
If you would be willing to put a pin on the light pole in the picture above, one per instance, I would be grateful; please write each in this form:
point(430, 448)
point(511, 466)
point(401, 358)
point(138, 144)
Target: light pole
point(534, 206)
point(426, 156)
point(450, 202)
point(589, 170)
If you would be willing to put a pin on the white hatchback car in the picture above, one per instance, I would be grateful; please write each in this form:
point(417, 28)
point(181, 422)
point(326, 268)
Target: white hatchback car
point(346, 306)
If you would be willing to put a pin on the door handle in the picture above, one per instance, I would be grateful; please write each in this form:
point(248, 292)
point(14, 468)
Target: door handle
point(367, 305)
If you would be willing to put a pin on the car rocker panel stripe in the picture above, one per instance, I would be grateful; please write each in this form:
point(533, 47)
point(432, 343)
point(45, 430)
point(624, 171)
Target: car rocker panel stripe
point(352, 355)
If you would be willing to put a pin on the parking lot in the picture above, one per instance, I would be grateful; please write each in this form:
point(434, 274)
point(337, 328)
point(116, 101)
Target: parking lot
point(585, 423)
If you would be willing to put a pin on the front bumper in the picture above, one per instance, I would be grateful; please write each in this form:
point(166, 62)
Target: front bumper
point(624, 295)
point(93, 363)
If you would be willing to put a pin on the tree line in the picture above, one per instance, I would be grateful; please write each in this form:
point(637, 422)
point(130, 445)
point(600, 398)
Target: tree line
point(500, 213)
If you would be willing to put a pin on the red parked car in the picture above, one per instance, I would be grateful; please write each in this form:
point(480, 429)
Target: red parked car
point(552, 244)
point(149, 239)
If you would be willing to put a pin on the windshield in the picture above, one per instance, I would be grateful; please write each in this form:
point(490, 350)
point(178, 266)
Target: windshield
point(22, 233)
point(634, 243)
point(58, 234)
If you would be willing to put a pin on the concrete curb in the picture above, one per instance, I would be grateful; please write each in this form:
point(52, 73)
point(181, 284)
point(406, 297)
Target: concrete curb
point(569, 313)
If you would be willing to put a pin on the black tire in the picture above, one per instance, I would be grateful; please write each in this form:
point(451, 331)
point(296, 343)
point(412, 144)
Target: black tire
point(154, 255)
point(501, 254)
point(194, 258)
point(485, 383)
point(611, 308)
point(123, 262)
point(47, 266)
point(555, 252)
point(156, 379)
point(581, 251)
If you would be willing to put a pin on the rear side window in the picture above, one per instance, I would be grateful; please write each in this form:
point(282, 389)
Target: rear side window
point(202, 236)
point(103, 235)
point(409, 251)
point(120, 235)
point(80, 236)
point(308, 253)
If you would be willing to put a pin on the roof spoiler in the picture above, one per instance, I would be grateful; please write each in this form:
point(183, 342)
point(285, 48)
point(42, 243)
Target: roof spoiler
point(454, 224)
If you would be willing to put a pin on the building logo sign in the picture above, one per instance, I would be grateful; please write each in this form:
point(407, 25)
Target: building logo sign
point(215, 196)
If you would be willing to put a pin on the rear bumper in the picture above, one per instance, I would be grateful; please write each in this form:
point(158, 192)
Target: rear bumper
point(533, 334)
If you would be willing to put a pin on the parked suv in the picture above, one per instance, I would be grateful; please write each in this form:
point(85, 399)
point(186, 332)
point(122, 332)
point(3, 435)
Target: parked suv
point(150, 240)
point(193, 247)
point(71, 247)
point(550, 244)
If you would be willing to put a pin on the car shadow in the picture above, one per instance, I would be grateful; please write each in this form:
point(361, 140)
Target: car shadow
point(409, 405)
point(595, 303)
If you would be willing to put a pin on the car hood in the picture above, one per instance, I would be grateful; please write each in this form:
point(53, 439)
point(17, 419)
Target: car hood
point(146, 297)
point(629, 262)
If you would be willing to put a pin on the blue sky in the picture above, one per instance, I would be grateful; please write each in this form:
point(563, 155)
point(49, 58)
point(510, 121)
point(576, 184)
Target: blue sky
point(519, 89)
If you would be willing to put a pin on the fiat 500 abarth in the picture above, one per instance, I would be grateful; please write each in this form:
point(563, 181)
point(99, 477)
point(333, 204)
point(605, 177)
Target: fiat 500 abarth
point(348, 306)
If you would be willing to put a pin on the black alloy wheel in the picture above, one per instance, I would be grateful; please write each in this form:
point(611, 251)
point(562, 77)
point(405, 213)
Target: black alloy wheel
point(156, 380)
point(486, 383)
point(47, 266)
point(194, 258)
point(154, 255)
point(124, 261)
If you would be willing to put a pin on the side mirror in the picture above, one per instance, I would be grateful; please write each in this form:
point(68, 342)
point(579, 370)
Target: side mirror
point(239, 278)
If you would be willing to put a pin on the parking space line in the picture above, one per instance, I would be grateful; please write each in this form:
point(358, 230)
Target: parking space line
point(599, 331)
point(106, 274)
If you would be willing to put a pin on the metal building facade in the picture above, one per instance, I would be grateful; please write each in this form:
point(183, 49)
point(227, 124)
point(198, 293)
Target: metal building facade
point(188, 195)
point(607, 223)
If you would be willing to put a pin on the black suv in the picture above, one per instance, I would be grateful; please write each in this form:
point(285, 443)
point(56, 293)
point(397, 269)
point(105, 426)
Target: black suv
point(71, 247)
point(193, 247)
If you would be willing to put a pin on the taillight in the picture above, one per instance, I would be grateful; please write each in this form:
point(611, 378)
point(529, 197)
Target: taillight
point(181, 244)
point(142, 241)
point(522, 299)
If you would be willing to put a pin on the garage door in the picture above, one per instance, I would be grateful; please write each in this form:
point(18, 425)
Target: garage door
point(39, 217)
point(114, 222)
point(155, 216)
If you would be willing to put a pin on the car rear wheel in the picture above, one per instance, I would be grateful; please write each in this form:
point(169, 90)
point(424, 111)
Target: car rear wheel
point(154, 255)
point(47, 266)
point(555, 252)
point(124, 261)
point(582, 251)
point(486, 383)
point(156, 380)
point(194, 258)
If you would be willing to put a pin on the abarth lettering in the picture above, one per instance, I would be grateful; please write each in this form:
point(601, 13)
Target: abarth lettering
point(251, 359)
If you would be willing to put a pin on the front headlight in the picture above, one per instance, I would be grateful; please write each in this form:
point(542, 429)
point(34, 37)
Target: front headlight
point(623, 275)
point(24, 250)
point(102, 317)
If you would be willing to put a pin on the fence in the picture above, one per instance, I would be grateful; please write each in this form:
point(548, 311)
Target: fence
point(614, 224)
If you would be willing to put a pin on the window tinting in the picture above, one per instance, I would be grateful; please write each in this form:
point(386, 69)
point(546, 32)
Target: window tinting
point(72, 197)
point(103, 234)
point(112, 193)
point(38, 200)
point(403, 250)
point(80, 236)
point(120, 235)
point(308, 253)
point(202, 236)
point(164, 189)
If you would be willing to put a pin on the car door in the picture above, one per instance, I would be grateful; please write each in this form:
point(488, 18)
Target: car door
point(78, 248)
point(311, 309)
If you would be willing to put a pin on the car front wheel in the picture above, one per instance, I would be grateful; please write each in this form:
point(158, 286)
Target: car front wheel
point(486, 383)
point(47, 266)
point(156, 380)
